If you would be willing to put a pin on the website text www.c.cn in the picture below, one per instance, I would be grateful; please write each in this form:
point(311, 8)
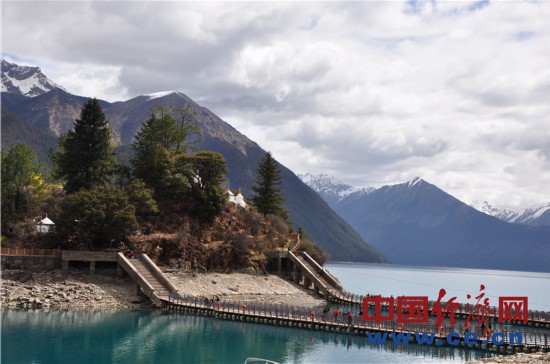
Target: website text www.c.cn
point(453, 338)
point(416, 309)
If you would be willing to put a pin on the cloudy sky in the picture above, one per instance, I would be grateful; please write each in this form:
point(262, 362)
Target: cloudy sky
point(372, 93)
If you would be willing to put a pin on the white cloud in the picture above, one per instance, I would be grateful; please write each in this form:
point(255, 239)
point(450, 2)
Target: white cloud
point(372, 92)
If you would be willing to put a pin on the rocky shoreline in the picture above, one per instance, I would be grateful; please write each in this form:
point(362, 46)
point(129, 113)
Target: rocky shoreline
point(533, 358)
point(76, 289)
point(58, 289)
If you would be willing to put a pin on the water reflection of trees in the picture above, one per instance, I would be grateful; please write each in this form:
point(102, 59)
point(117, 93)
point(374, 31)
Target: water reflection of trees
point(160, 336)
point(435, 352)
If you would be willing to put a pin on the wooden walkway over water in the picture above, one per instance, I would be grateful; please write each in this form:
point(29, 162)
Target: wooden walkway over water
point(307, 272)
point(307, 318)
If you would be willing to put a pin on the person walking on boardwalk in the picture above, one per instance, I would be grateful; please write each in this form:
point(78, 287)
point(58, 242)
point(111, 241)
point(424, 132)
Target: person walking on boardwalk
point(336, 313)
point(466, 327)
point(350, 318)
point(325, 312)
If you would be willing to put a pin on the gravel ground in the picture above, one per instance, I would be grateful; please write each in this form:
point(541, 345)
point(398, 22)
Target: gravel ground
point(244, 287)
point(76, 289)
point(535, 358)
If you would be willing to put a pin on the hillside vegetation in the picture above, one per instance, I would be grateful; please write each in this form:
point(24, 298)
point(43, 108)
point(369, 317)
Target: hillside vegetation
point(54, 113)
point(169, 203)
point(239, 239)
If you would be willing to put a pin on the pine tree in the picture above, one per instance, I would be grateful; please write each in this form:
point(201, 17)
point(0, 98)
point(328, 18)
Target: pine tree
point(155, 145)
point(205, 172)
point(85, 155)
point(268, 199)
point(96, 218)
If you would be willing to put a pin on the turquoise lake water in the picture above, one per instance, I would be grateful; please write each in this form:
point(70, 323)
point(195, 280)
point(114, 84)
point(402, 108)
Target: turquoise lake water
point(389, 280)
point(155, 336)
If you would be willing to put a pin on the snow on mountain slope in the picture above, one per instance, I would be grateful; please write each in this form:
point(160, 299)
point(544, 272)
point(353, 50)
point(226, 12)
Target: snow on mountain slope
point(157, 95)
point(537, 215)
point(331, 189)
point(25, 80)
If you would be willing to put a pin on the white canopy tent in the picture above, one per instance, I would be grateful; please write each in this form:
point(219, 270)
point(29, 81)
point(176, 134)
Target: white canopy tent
point(45, 225)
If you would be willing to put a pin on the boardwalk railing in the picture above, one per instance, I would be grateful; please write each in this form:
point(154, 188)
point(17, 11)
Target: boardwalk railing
point(31, 252)
point(462, 310)
point(318, 318)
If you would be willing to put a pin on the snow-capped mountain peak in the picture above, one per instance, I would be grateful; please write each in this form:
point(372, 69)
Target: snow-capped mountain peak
point(487, 208)
point(158, 95)
point(25, 80)
point(538, 215)
point(322, 181)
point(413, 182)
point(331, 189)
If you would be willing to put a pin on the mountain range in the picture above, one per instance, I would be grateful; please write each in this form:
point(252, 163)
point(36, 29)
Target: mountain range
point(536, 215)
point(42, 112)
point(416, 223)
point(332, 190)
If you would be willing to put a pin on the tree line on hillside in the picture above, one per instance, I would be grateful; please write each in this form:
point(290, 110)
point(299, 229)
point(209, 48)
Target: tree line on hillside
point(99, 203)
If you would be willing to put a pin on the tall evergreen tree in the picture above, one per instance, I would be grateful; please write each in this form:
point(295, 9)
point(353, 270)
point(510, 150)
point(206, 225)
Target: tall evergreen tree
point(204, 171)
point(96, 218)
point(156, 143)
point(85, 155)
point(268, 199)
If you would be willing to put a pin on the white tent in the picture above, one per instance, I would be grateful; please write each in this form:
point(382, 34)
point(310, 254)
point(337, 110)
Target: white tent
point(45, 225)
point(230, 196)
point(239, 200)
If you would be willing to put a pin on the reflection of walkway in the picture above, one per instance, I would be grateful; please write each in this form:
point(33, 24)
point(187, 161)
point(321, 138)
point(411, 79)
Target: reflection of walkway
point(291, 316)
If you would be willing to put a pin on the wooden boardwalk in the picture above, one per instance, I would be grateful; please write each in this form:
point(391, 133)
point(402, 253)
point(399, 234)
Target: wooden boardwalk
point(305, 318)
point(535, 318)
point(312, 274)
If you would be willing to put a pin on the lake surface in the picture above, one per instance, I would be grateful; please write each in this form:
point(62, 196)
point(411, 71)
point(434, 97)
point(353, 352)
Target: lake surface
point(155, 336)
point(389, 280)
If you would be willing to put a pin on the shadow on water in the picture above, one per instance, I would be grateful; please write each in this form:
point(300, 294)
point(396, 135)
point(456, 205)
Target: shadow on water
point(154, 336)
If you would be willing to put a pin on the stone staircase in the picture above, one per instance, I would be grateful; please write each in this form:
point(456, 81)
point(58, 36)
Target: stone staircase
point(151, 276)
point(315, 270)
point(148, 277)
